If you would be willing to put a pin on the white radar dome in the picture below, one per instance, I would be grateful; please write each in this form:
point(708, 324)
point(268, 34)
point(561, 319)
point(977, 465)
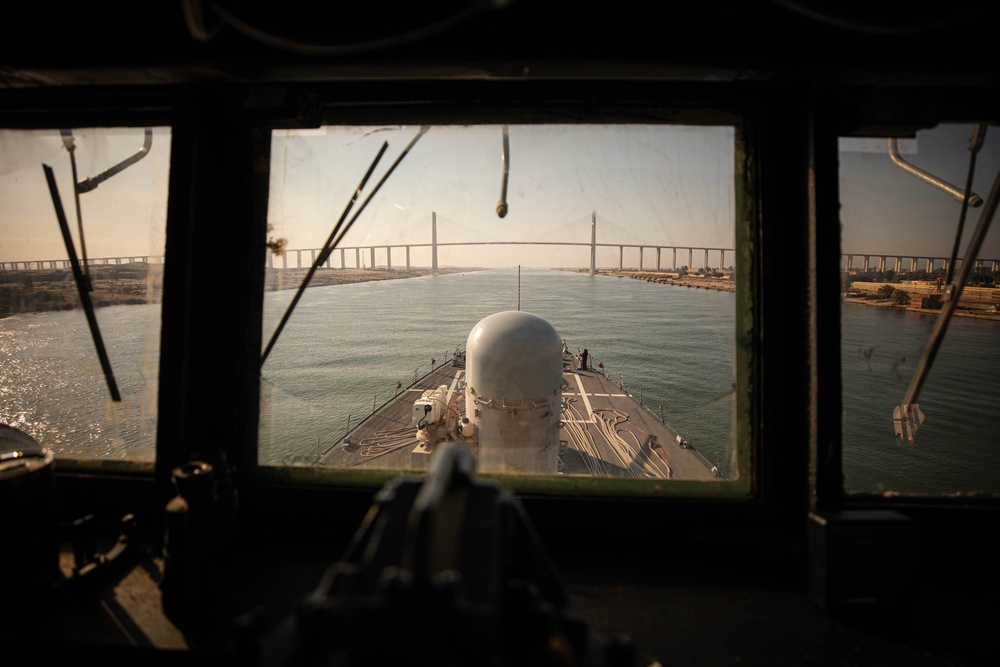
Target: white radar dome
point(514, 355)
point(513, 393)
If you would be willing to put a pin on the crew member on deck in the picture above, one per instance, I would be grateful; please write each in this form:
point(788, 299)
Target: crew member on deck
point(583, 360)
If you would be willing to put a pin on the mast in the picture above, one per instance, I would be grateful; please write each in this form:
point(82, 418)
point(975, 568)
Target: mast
point(593, 242)
point(434, 242)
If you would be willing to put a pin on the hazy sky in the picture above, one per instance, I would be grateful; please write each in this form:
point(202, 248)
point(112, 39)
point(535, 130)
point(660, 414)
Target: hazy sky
point(885, 209)
point(656, 185)
point(647, 184)
point(124, 215)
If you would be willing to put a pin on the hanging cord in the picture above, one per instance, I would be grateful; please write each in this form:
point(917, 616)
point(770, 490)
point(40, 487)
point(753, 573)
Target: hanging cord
point(505, 159)
point(204, 28)
point(875, 20)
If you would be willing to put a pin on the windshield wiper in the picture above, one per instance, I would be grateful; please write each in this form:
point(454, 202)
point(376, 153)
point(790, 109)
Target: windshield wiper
point(81, 272)
point(83, 286)
point(334, 239)
point(908, 415)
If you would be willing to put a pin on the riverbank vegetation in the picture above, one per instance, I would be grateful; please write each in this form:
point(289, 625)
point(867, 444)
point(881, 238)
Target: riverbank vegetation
point(922, 292)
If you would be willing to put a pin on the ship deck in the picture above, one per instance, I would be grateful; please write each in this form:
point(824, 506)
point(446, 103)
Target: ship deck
point(604, 431)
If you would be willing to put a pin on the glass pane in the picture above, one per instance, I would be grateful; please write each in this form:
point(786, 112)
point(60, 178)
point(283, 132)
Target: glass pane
point(54, 385)
point(433, 255)
point(902, 219)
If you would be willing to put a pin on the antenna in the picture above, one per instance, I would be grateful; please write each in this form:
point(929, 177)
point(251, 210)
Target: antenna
point(518, 287)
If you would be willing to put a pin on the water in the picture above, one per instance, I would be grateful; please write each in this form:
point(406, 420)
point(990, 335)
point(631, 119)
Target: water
point(383, 333)
point(955, 449)
point(346, 347)
point(53, 388)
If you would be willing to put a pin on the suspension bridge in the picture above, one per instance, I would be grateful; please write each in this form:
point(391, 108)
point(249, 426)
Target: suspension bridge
point(589, 232)
point(592, 232)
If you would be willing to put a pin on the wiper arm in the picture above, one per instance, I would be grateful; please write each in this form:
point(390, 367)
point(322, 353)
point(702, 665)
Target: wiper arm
point(323, 255)
point(80, 187)
point(82, 285)
point(974, 200)
point(81, 273)
point(909, 411)
point(332, 242)
point(91, 183)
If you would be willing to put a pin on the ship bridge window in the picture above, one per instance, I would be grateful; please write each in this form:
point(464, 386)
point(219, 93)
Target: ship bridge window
point(920, 283)
point(562, 299)
point(82, 234)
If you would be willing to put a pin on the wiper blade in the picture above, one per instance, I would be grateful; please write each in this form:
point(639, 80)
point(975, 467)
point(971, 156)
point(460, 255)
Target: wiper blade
point(334, 239)
point(82, 284)
point(81, 273)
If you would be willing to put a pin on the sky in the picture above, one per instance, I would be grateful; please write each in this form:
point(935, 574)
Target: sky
point(647, 184)
point(654, 185)
point(885, 209)
point(124, 215)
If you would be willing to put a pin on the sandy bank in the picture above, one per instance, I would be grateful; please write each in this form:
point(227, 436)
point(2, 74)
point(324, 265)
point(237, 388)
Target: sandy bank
point(669, 278)
point(130, 284)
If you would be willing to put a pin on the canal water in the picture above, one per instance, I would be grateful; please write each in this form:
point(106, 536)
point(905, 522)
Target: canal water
point(345, 348)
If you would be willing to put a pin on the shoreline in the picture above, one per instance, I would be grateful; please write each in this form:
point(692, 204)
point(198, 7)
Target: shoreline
point(25, 292)
point(40, 290)
point(282, 279)
point(672, 278)
point(979, 311)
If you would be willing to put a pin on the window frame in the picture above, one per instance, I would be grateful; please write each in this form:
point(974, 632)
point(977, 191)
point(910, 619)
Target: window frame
point(736, 489)
point(227, 129)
